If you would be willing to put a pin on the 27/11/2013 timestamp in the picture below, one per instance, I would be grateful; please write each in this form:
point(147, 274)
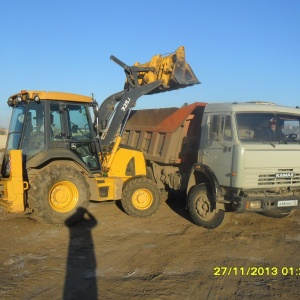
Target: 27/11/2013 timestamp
point(256, 271)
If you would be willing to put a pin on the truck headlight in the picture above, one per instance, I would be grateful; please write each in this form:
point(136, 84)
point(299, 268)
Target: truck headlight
point(253, 204)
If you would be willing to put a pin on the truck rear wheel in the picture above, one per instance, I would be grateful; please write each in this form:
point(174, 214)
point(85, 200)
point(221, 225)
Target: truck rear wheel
point(202, 208)
point(58, 195)
point(140, 198)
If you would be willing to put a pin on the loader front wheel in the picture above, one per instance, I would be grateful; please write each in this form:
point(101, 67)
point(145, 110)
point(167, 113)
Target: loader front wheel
point(202, 208)
point(58, 195)
point(140, 198)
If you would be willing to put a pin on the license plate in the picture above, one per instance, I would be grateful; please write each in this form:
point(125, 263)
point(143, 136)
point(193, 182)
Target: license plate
point(285, 203)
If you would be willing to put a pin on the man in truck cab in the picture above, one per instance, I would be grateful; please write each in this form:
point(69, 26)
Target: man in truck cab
point(272, 132)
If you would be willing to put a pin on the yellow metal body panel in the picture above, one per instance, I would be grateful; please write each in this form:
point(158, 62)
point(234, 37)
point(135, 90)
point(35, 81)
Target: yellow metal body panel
point(121, 160)
point(13, 187)
point(111, 187)
point(173, 71)
point(59, 96)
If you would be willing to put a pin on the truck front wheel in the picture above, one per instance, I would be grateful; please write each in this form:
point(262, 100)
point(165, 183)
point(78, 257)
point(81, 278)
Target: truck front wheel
point(202, 208)
point(141, 197)
point(58, 194)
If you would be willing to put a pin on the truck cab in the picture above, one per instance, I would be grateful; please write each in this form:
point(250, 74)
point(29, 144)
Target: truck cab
point(249, 158)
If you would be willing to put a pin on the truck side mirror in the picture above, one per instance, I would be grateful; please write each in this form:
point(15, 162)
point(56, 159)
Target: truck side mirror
point(214, 132)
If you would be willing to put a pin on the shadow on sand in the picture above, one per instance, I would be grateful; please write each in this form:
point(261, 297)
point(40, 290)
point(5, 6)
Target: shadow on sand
point(81, 279)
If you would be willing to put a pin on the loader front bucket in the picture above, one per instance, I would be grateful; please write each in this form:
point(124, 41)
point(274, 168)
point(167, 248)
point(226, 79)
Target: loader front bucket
point(172, 70)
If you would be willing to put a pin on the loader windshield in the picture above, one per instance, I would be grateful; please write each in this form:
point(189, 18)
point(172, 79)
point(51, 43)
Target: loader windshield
point(26, 129)
point(16, 127)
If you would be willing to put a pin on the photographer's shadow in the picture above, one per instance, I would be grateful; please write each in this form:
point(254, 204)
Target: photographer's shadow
point(81, 279)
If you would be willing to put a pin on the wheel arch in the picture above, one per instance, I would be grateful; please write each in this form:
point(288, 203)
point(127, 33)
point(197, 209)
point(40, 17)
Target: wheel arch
point(55, 160)
point(203, 174)
point(47, 157)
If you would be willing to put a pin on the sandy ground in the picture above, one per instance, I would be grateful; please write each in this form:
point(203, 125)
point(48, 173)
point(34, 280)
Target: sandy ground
point(110, 255)
point(3, 141)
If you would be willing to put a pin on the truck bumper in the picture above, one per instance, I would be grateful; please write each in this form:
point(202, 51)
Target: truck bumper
point(263, 204)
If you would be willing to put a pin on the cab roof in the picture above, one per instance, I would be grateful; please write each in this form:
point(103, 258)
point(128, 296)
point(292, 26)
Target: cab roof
point(43, 95)
point(256, 106)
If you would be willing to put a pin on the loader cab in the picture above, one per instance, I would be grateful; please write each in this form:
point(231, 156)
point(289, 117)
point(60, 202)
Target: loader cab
point(49, 127)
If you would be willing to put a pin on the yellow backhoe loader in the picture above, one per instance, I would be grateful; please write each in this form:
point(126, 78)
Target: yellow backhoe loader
point(57, 159)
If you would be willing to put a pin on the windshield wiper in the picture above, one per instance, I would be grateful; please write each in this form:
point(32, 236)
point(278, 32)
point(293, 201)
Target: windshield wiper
point(265, 142)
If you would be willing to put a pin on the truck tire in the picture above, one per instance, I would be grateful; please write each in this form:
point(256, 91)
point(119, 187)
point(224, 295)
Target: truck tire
point(202, 208)
point(141, 197)
point(58, 195)
point(279, 214)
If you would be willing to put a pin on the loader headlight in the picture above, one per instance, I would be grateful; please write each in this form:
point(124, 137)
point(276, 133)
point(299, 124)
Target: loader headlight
point(36, 98)
point(10, 102)
point(19, 98)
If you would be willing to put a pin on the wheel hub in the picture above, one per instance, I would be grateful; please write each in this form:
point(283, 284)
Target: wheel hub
point(142, 199)
point(63, 196)
point(203, 208)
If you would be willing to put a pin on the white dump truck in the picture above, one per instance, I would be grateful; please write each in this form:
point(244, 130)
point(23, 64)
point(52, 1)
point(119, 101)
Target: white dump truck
point(226, 156)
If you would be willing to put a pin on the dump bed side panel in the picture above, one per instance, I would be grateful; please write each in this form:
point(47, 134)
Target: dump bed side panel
point(166, 135)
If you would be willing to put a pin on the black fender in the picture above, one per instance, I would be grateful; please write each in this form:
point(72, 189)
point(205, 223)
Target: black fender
point(48, 157)
point(201, 173)
point(45, 157)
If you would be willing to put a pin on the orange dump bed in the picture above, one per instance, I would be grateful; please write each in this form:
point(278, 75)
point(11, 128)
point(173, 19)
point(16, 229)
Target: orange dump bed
point(165, 135)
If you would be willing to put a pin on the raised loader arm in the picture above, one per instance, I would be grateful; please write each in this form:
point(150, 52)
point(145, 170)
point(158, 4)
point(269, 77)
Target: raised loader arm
point(159, 75)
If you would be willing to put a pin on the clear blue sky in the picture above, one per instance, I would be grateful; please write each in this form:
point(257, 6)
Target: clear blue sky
point(241, 50)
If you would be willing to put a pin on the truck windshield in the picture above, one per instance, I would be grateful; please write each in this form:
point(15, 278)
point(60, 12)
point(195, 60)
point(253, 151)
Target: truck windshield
point(267, 127)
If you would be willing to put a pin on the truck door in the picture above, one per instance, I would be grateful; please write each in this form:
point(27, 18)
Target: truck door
point(216, 147)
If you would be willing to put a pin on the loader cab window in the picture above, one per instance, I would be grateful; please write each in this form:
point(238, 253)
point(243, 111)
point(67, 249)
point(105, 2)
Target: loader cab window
point(78, 123)
point(80, 135)
point(56, 131)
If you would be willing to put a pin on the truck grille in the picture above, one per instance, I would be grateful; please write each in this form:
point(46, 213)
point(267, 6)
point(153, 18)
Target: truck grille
point(279, 178)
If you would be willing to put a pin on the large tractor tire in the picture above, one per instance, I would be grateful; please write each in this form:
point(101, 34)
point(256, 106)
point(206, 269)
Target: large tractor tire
point(141, 197)
point(202, 208)
point(58, 195)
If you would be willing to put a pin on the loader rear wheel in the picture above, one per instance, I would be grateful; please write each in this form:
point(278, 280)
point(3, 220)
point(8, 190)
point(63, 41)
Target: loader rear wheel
point(58, 195)
point(202, 208)
point(140, 198)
